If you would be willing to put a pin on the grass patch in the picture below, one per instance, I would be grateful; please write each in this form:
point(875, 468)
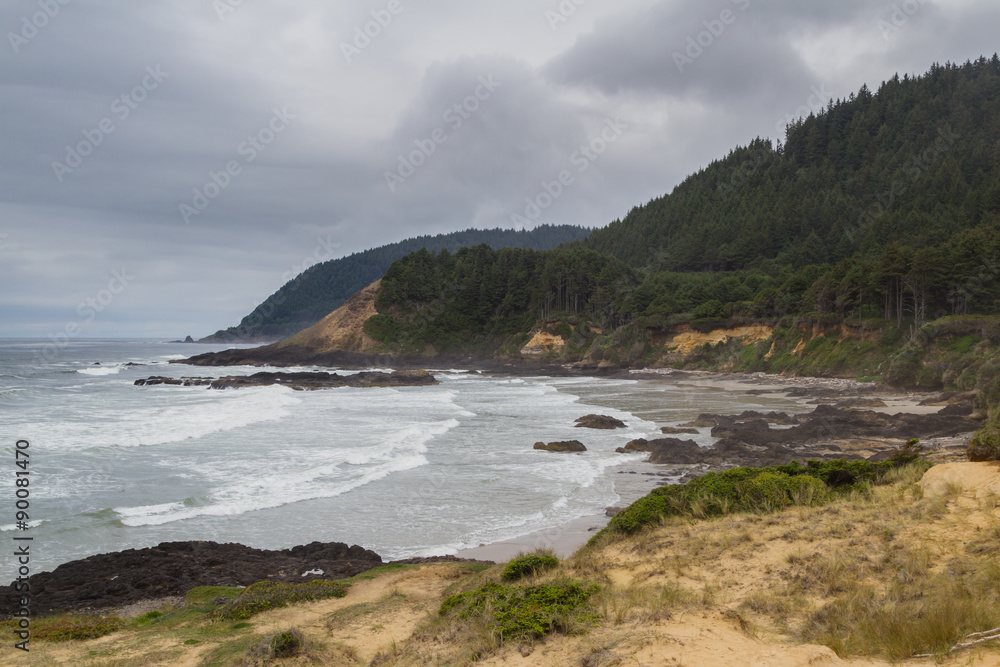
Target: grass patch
point(266, 595)
point(149, 617)
point(75, 628)
point(529, 565)
point(206, 594)
point(526, 612)
point(758, 490)
point(928, 613)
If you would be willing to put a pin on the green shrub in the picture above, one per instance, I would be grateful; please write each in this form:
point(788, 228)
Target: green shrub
point(383, 328)
point(985, 444)
point(286, 643)
point(526, 612)
point(756, 489)
point(767, 491)
point(531, 564)
point(266, 595)
point(149, 617)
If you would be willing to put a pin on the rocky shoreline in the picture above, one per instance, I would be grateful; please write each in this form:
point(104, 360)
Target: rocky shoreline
point(115, 580)
point(829, 432)
point(845, 424)
point(300, 381)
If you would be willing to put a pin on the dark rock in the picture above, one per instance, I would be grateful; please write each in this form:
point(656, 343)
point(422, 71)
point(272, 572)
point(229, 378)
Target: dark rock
point(602, 422)
point(963, 409)
point(852, 403)
point(640, 445)
point(613, 511)
point(673, 430)
point(174, 568)
point(561, 447)
point(673, 450)
point(951, 398)
point(826, 433)
point(301, 381)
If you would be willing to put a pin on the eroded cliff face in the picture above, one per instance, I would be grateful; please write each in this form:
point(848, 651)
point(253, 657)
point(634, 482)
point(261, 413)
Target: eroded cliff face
point(343, 329)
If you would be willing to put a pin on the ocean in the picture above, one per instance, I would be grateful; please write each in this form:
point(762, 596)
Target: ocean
point(404, 471)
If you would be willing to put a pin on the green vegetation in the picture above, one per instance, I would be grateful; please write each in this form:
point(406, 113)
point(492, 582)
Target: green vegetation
point(871, 231)
point(285, 644)
point(480, 299)
point(529, 565)
point(73, 628)
point(322, 288)
point(754, 490)
point(149, 617)
point(266, 595)
point(526, 612)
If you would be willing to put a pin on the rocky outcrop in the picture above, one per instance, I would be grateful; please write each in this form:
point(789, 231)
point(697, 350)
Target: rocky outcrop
point(343, 329)
point(674, 430)
point(543, 344)
point(174, 568)
point(601, 422)
point(301, 381)
point(826, 433)
point(566, 447)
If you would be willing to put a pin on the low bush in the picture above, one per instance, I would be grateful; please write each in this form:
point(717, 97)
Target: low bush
point(286, 643)
point(757, 489)
point(985, 444)
point(526, 612)
point(529, 565)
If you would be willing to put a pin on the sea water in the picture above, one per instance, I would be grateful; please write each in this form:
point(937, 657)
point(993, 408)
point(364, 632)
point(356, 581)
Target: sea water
point(410, 471)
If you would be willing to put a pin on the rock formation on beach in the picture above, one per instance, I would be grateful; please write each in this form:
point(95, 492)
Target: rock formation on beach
point(826, 433)
point(301, 381)
point(601, 422)
point(566, 447)
point(173, 568)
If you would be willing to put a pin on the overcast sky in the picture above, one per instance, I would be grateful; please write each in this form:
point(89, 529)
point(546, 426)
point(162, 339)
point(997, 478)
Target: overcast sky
point(174, 163)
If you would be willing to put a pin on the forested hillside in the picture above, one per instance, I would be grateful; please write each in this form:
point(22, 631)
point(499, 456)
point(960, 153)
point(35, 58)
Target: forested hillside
point(875, 217)
point(324, 287)
point(886, 206)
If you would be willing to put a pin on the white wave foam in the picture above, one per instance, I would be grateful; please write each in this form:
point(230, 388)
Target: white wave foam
point(102, 370)
point(402, 450)
point(268, 494)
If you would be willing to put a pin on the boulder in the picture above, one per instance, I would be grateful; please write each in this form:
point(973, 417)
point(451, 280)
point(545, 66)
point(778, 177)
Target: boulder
point(566, 447)
point(602, 422)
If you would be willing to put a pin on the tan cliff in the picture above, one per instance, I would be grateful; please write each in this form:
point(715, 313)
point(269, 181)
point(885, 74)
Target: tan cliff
point(343, 329)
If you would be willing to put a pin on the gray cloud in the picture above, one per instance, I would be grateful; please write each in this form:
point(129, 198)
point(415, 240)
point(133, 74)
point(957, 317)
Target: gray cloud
point(319, 188)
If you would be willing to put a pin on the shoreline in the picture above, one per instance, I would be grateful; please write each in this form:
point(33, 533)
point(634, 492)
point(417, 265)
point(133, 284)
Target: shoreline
point(635, 479)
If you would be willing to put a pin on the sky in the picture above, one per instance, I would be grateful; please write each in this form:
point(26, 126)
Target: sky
point(165, 166)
